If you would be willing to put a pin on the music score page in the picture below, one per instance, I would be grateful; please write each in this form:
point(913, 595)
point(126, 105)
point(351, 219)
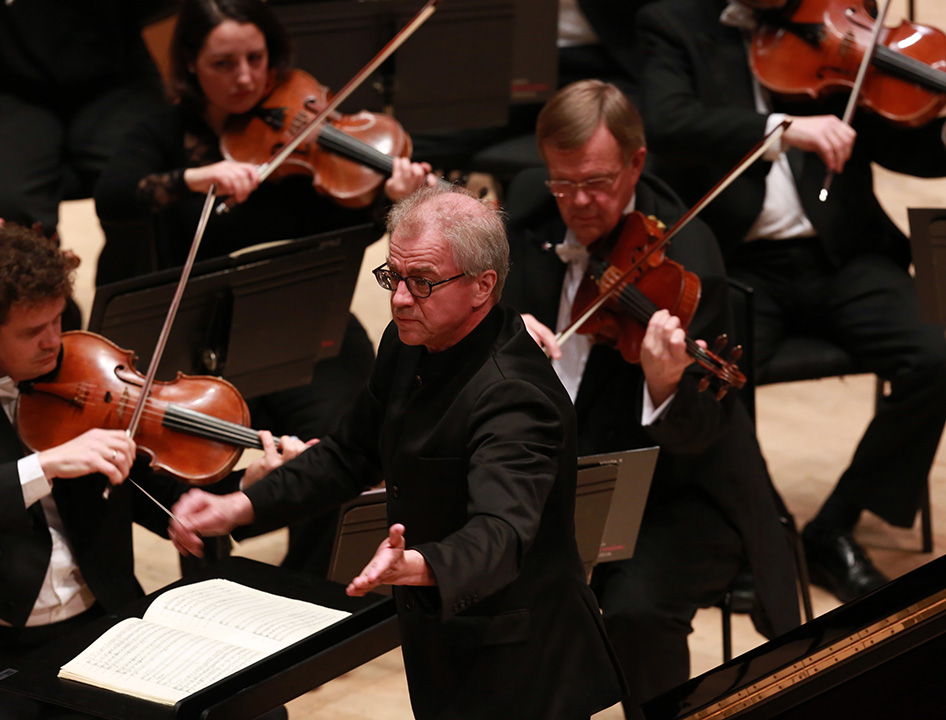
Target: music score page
point(193, 636)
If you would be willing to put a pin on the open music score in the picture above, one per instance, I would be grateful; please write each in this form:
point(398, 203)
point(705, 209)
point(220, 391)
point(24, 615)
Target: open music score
point(194, 635)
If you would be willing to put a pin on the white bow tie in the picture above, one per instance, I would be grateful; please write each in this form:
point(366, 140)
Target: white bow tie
point(739, 16)
point(568, 252)
point(8, 389)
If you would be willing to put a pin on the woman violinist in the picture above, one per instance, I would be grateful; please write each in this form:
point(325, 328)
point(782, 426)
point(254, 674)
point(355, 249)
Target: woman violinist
point(226, 55)
point(835, 269)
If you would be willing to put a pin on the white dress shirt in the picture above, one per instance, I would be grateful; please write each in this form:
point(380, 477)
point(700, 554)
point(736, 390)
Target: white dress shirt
point(571, 366)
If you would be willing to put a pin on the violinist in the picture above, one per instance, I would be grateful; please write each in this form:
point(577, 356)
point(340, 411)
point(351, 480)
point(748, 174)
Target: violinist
point(711, 510)
point(835, 269)
point(66, 547)
point(225, 57)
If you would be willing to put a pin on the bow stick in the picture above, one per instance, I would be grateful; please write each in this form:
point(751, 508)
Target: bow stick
point(268, 167)
point(858, 83)
point(754, 154)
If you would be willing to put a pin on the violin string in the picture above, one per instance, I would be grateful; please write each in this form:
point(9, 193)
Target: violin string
point(910, 69)
point(643, 308)
point(172, 415)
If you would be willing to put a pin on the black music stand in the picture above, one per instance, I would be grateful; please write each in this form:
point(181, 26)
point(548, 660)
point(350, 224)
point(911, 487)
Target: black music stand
point(928, 243)
point(368, 632)
point(618, 536)
point(604, 530)
point(461, 69)
point(260, 318)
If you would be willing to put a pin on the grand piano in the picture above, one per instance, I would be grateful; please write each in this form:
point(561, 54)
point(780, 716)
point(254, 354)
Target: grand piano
point(880, 656)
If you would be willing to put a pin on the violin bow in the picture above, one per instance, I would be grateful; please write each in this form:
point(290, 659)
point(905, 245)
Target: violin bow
point(265, 171)
point(270, 166)
point(136, 414)
point(858, 84)
point(754, 154)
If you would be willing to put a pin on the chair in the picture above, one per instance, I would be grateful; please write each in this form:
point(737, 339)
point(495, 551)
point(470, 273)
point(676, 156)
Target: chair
point(801, 357)
point(740, 596)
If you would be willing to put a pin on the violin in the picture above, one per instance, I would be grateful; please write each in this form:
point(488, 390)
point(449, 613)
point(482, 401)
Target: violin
point(631, 267)
point(192, 427)
point(807, 48)
point(349, 157)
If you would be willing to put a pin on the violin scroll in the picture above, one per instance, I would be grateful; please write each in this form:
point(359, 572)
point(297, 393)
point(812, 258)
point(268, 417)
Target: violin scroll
point(725, 371)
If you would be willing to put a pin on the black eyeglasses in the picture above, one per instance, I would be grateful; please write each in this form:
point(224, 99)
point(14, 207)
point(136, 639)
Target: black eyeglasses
point(417, 286)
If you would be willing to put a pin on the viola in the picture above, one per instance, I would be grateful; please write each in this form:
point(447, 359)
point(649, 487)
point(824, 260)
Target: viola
point(193, 427)
point(349, 157)
point(631, 267)
point(807, 48)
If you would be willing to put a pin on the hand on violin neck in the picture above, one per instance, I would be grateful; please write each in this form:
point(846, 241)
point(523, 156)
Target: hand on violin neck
point(664, 356)
point(201, 514)
point(273, 456)
point(235, 180)
point(110, 452)
point(543, 336)
point(406, 177)
point(827, 135)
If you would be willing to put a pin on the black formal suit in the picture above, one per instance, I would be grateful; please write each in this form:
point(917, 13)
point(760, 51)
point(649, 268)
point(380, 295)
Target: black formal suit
point(477, 448)
point(613, 23)
point(98, 531)
point(847, 283)
point(711, 497)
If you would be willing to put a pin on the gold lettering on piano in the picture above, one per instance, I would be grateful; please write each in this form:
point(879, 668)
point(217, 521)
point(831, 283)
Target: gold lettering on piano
point(825, 659)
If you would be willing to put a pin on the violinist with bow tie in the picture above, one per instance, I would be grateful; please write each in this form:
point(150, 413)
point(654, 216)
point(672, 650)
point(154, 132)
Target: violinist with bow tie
point(711, 512)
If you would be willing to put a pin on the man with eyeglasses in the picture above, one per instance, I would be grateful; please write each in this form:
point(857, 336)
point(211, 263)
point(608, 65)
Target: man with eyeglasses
point(712, 511)
point(474, 436)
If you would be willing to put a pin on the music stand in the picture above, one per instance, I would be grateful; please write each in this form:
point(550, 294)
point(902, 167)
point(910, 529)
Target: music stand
point(362, 526)
point(368, 632)
point(259, 318)
point(489, 54)
point(928, 242)
point(635, 470)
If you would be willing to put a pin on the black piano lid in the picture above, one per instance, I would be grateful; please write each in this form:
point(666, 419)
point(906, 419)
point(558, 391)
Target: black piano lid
point(899, 675)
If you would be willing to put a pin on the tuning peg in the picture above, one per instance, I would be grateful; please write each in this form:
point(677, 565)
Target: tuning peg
point(719, 343)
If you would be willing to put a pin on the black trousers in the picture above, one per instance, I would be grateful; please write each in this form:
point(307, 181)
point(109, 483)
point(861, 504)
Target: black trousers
point(61, 145)
point(868, 307)
point(687, 555)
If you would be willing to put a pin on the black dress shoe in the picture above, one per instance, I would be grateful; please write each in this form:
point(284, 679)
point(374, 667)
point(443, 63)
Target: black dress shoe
point(841, 566)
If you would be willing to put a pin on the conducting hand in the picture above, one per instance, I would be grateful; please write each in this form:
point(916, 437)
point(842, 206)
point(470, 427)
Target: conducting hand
point(204, 514)
point(235, 180)
point(110, 452)
point(543, 336)
point(392, 564)
point(827, 135)
point(273, 457)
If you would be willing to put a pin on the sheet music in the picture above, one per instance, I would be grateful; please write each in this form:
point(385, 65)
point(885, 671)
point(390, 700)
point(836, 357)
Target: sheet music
point(193, 636)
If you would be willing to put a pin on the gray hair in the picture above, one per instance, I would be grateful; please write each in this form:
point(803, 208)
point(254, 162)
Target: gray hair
point(473, 229)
